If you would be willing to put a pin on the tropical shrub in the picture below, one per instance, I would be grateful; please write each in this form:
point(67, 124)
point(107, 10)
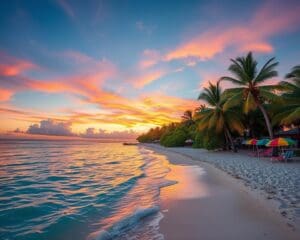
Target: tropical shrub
point(199, 140)
point(212, 142)
point(174, 138)
point(144, 138)
point(208, 141)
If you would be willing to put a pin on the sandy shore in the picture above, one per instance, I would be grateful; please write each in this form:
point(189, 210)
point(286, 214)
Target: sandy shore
point(207, 203)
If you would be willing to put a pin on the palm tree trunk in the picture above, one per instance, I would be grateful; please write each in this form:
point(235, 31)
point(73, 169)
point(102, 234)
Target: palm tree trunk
point(227, 142)
point(227, 132)
point(266, 117)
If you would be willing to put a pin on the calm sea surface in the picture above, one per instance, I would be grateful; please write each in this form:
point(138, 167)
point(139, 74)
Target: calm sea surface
point(79, 190)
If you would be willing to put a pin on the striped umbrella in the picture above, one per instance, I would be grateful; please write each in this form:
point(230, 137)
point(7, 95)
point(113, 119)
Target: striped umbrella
point(280, 142)
point(262, 142)
point(252, 141)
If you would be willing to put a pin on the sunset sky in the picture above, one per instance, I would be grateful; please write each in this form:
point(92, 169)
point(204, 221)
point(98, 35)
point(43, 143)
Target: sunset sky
point(118, 66)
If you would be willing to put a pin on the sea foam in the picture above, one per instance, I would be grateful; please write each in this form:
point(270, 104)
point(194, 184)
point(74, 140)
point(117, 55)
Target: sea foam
point(124, 224)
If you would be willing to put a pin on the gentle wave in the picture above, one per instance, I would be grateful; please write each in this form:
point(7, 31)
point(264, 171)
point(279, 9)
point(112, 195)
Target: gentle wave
point(124, 224)
point(73, 190)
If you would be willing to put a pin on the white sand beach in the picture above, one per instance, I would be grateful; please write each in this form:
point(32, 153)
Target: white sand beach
point(207, 203)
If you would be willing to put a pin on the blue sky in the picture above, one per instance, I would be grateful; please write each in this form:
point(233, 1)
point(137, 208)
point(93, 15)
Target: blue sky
point(129, 65)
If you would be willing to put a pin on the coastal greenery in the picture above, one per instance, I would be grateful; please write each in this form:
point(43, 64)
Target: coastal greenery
point(251, 107)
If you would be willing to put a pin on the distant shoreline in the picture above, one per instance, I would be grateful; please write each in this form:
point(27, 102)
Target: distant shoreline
point(39, 137)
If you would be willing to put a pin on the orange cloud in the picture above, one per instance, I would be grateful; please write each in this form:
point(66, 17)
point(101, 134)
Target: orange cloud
point(85, 83)
point(146, 111)
point(268, 21)
point(5, 94)
point(115, 111)
point(147, 78)
point(258, 47)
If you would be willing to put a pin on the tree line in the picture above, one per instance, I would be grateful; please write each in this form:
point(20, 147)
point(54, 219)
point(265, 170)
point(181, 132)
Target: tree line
point(250, 108)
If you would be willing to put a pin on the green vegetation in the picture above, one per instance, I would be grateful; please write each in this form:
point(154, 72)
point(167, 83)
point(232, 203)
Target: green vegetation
point(289, 110)
point(252, 107)
point(250, 90)
point(174, 138)
point(216, 118)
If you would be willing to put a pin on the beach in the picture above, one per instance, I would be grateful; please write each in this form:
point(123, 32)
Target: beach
point(218, 196)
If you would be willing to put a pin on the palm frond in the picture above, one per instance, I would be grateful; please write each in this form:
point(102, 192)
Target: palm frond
point(292, 117)
point(269, 96)
point(234, 100)
point(267, 71)
point(236, 124)
point(249, 103)
point(233, 80)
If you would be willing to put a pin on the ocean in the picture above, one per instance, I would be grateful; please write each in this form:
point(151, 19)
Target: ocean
point(79, 190)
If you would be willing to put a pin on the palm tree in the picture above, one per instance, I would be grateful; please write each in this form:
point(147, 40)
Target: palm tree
point(290, 112)
point(250, 90)
point(215, 117)
point(187, 115)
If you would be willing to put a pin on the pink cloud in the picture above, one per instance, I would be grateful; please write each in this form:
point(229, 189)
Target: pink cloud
point(11, 66)
point(92, 75)
point(147, 78)
point(270, 20)
point(76, 56)
point(150, 58)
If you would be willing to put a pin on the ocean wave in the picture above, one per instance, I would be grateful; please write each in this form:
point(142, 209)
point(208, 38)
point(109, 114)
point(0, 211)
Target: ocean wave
point(124, 224)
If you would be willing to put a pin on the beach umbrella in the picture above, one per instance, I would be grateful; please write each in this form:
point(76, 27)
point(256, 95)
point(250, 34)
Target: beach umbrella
point(252, 141)
point(262, 142)
point(280, 142)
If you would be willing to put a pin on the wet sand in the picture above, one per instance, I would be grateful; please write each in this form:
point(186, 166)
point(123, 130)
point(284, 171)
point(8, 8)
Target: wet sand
point(208, 204)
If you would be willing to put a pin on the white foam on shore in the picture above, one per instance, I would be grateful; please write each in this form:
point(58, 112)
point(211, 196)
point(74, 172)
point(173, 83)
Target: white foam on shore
point(129, 222)
point(124, 224)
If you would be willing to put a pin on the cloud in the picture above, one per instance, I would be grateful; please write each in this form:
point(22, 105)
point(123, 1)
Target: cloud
point(147, 77)
point(101, 133)
point(50, 127)
point(5, 94)
point(148, 110)
point(11, 66)
point(12, 72)
point(76, 56)
point(87, 85)
point(150, 58)
point(270, 19)
point(58, 128)
point(93, 73)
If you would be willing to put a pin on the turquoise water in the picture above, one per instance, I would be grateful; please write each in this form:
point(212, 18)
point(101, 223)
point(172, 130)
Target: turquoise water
point(79, 190)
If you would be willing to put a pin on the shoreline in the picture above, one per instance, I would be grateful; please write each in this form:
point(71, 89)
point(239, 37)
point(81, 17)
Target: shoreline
point(198, 215)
